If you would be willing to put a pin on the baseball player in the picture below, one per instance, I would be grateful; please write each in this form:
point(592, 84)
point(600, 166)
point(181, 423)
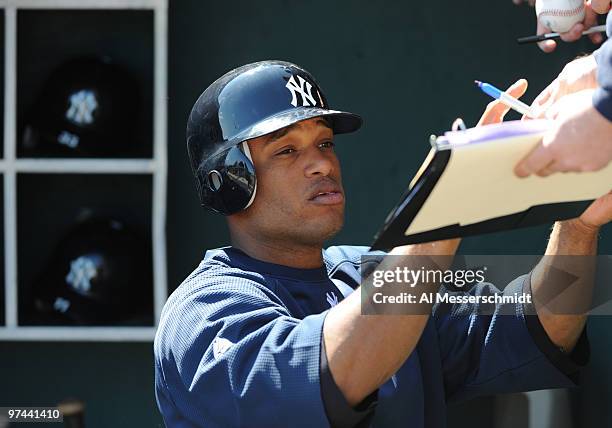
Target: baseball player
point(268, 332)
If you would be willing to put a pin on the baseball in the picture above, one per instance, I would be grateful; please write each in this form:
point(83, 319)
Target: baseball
point(560, 15)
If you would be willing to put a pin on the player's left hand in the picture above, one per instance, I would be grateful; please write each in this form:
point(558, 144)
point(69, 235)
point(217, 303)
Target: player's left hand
point(495, 111)
point(581, 139)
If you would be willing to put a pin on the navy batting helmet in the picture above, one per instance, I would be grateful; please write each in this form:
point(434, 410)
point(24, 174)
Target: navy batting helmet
point(245, 103)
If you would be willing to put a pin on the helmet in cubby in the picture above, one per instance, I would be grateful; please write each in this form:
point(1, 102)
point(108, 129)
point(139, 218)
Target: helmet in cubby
point(100, 274)
point(88, 107)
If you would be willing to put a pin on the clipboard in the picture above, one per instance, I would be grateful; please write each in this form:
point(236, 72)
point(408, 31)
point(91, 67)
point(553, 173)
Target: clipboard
point(466, 186)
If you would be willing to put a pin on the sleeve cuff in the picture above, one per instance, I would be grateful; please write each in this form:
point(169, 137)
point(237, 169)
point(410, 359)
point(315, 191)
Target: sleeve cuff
point(596, 55)
point(602, 101)
point(567, 363)
point(339, 413)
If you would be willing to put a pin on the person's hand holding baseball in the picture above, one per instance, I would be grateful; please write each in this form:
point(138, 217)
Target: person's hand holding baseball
point(581, 139)
point(591, 9)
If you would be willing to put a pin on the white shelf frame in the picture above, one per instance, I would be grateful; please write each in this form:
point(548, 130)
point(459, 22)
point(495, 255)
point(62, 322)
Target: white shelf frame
point(80, 166)
point(80, 334)
point(10, 166)
point(156, 5)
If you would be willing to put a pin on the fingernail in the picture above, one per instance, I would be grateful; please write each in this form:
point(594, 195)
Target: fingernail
point(519, 170)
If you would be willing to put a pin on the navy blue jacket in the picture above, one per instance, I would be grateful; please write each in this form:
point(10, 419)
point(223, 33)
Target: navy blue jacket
point(602, 99)
point(240, 344)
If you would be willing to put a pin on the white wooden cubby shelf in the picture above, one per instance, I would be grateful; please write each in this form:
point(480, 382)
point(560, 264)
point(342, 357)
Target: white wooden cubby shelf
point(10, 166)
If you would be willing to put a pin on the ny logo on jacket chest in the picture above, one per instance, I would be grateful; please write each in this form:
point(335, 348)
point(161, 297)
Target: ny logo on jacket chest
point(332, 299)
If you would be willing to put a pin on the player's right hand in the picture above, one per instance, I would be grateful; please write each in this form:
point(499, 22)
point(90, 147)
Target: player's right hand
point(591, 9)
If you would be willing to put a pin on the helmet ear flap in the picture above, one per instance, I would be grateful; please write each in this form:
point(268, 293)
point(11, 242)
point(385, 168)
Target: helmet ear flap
point(245, 149)
point(214, 180)
point(228, 181)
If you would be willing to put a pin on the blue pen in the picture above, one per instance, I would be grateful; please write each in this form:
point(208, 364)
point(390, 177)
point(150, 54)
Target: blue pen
point(508, 100)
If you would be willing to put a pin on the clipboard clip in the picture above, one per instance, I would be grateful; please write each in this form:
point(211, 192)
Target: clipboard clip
point(458, 125)
point(441, 143)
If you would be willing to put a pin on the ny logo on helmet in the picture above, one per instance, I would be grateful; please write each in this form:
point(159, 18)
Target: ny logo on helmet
point(304, 89)
point(82, 106)
point(82, 271)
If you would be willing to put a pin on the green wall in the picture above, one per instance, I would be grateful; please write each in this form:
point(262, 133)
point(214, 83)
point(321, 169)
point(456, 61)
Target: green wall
point(114, 380)
point(408, 68)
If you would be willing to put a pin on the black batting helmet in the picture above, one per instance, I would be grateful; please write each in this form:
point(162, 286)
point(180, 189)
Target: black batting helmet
point(88, 107)
point(248, 102)
point(100, 274)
